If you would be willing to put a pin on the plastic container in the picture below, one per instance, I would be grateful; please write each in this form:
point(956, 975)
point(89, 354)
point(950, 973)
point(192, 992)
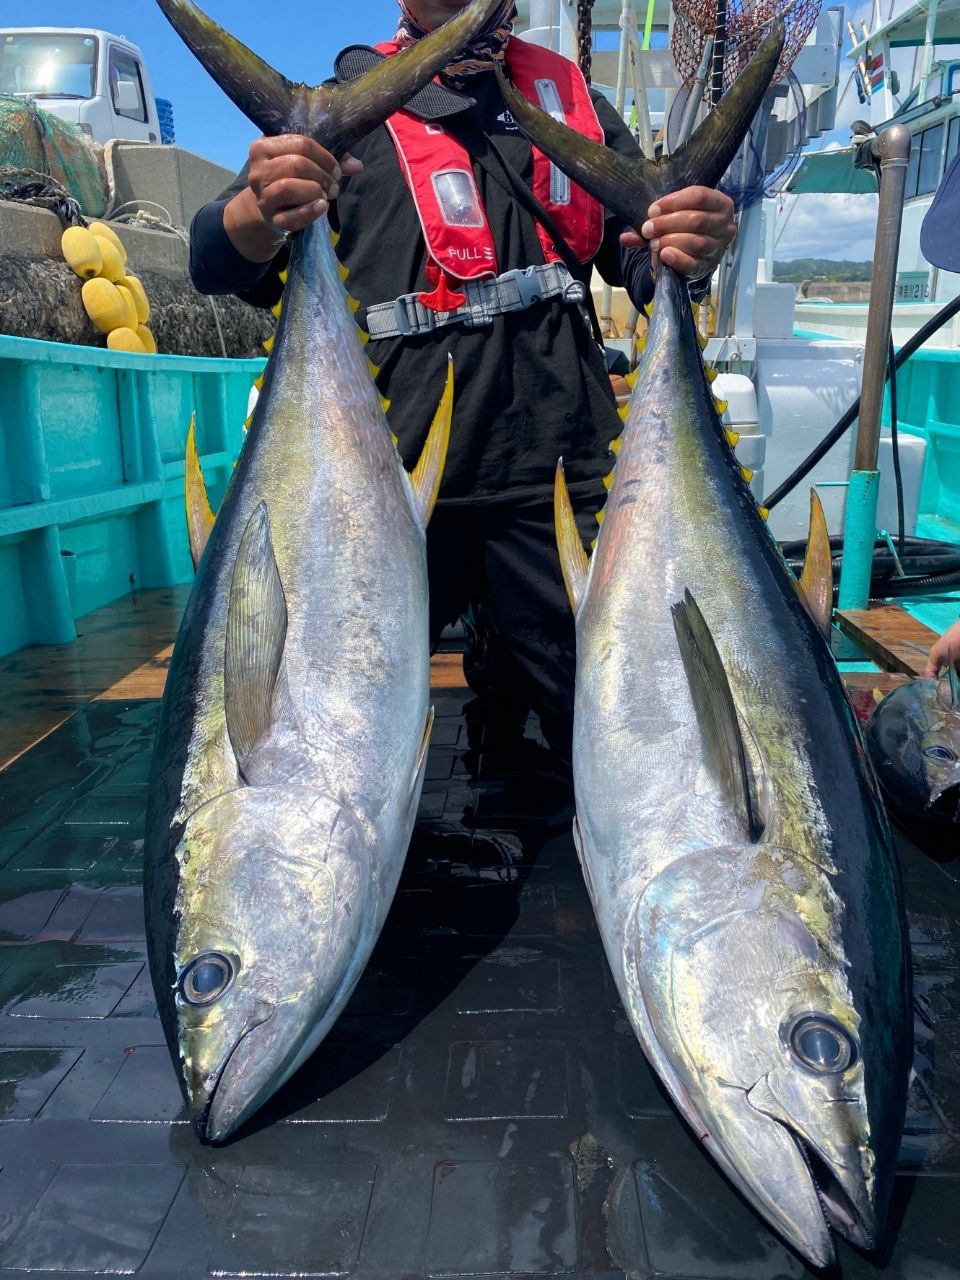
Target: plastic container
point(91, 474)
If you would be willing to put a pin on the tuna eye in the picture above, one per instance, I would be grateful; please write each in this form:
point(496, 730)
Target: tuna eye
point(822, 1045)
point(206, 978)
point(941, 753)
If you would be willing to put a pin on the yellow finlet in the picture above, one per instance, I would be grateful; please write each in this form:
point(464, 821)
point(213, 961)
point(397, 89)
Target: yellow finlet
point(764, 513)
point(200, 517)
point(573, 558)
point(275, 311)
point(334, 237)
point(600, 514)
point(746, 473)
point(711, 372)
point(615, 444)
point(624, 412)
point(702, 341)
point(631, 378)
point(396, 440)
point(268, 345)
point(353, 304)
point(733, 438)
point(258, 382)
point(384, 404)
point(283, 276)
point(374, 368)
point(648, 309)
point(342, 271)
point(721, 406)
point(640, 342)
point(608, 481)
point(364, 336)
point(425, 477)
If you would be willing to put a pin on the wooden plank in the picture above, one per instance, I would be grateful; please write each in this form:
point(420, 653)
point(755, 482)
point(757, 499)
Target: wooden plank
point(884, 681)
point(889, 636)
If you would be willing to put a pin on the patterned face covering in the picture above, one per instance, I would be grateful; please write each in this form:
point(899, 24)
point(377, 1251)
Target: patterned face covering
point(478, 56)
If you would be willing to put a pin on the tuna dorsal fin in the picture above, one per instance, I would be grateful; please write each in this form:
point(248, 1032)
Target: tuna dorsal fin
point(425, 477)
point(723, 750)
point(816, 580)
point(336, 115)
point(200, 515)
point(629, 186)
point(256, 634)
point(573, 558)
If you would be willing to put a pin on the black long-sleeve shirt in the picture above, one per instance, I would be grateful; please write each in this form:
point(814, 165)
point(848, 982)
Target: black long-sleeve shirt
point(532, 386)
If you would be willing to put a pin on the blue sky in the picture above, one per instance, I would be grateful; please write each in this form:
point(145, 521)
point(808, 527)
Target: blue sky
point(299, 38)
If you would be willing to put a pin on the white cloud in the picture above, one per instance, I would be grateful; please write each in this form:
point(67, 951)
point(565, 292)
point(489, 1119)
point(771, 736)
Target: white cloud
point(827, 226)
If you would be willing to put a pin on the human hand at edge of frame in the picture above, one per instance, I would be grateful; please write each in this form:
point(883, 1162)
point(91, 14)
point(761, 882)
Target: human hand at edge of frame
point(945, 652)
point(689, 230)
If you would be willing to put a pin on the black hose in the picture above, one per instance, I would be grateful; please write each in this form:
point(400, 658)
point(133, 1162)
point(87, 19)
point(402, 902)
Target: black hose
point(946, 312)
point(895, 445)
point(930, 567)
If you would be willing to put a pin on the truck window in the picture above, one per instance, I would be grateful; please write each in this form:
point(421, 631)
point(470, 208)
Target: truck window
point(126, 86)
point(47, 66)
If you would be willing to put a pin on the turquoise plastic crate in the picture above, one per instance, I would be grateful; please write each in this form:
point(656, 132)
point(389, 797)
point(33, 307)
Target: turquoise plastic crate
point(91, 474)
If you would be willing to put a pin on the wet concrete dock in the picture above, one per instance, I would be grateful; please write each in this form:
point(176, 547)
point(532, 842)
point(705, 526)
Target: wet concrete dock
point(482, 1107)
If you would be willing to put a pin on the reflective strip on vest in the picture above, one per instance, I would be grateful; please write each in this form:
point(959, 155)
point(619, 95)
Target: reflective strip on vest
point(439, 170)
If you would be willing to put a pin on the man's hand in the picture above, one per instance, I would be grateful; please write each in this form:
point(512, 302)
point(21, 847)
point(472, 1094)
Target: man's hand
point(292, 181)
point(945, 652)
point(688, 229)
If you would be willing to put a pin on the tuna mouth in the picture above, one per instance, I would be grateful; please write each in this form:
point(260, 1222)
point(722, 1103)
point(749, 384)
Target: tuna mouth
point(838, 1209)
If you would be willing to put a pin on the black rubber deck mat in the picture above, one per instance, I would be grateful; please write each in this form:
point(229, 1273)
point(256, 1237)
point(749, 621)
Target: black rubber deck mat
point(481, 1109)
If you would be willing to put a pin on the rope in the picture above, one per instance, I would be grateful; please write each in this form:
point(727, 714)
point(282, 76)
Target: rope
point(28, 186)
point(585, 37)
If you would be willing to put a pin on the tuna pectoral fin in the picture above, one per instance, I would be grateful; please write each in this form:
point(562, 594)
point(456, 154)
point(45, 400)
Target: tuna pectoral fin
point(256, 633)
point(338, 116)
point(200, 516)
point(723, 750)
point(816, 580)
point(627, 186)
point(573, 558)
point(421, 764)
point(425, 477)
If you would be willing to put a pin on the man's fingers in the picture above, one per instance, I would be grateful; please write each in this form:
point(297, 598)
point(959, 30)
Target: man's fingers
point(292, 193)
point(686, 264)
point(297, 219)
point(294, 144)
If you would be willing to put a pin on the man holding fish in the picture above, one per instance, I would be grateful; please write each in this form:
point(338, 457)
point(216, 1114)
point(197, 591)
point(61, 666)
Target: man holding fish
point(452, 181)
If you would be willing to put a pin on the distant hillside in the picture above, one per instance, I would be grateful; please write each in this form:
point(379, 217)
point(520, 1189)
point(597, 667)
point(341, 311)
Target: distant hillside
point(825, 269)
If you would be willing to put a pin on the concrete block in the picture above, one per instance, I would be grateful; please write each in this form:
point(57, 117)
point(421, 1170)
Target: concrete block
point(175, 179)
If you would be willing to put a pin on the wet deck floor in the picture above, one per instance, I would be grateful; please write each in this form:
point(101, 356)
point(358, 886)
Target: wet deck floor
point(481, 1108)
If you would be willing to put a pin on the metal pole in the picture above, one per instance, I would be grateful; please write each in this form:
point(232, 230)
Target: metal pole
point(926, 64)
point(695, 97)
point(626, 27)
point(892, 149)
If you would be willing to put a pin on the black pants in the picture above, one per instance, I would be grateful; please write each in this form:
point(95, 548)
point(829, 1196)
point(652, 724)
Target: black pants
point(505, 557)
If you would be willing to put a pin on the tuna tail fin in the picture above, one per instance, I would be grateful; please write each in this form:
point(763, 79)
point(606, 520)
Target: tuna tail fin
point(338, 116)
point(629, 186)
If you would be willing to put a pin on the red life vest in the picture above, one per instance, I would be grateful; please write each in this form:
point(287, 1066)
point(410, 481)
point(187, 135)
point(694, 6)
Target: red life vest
point(439, 170)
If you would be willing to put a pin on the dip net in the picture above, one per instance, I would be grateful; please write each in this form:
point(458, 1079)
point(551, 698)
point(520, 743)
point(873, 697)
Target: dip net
point(738, 26)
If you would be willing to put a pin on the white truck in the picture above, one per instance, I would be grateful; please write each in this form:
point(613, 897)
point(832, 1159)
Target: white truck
point(92, 78)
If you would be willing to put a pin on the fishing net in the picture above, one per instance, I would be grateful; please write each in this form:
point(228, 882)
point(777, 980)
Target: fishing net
point(738, 27)
point(37, 146)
